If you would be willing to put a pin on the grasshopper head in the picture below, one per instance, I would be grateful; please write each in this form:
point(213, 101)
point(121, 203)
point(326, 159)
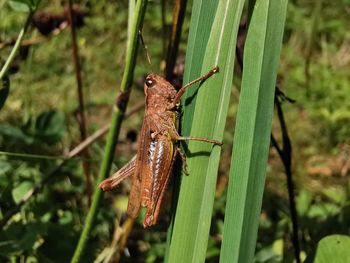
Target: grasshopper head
point(159, 92)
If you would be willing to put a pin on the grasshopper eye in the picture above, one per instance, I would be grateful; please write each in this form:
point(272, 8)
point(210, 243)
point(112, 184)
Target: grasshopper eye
point(149, 82)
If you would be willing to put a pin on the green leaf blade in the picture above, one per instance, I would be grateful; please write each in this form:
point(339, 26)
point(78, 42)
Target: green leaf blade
point(195, 205)
point(201, 24)
point(253, 129)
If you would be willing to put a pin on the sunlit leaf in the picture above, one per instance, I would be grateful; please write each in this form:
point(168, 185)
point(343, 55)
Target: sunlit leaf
point(212, 41)
point(19, 192)
point(24, 5)
point(20, 6)
point(333, 248)
point(253, 131)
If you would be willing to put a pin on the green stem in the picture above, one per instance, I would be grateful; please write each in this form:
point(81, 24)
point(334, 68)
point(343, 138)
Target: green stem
point(16, 46)
point(117, 118)
point(175, 37)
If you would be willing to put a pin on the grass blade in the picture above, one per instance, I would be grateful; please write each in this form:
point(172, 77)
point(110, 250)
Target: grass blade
point(200, 28)
point(16, 47)
point(212, 44)
point(253, 130)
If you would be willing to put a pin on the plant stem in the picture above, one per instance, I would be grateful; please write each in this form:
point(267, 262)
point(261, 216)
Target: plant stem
point(287, 161)
point(81, 110)
point(117, 117)
point(16, 46)
point(164, 29)
point(174, 42)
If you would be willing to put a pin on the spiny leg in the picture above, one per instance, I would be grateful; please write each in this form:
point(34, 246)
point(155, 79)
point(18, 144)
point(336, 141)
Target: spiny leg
point(126, 171)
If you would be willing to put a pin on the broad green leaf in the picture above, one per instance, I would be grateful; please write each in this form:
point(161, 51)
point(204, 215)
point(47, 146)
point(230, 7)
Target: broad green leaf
point(253, 131)
point(333, 248)
point(24, 5)
point(323, 211)
point(14, 133)
point(336, 195)
point(22, 189)
point(20, 6)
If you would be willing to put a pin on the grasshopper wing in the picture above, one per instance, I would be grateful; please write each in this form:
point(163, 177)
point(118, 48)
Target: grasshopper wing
point(163, 155)
point(142, 170)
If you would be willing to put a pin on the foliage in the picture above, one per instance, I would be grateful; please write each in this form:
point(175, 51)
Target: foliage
point(252, 138)
point(194, 210)
point(332, 248)
point(38, 126)
point(24, 5)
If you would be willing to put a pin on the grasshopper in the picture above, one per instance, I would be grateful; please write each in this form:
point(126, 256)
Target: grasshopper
point(157, 150)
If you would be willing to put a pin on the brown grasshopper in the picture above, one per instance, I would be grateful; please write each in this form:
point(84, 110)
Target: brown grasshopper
point(150, 169)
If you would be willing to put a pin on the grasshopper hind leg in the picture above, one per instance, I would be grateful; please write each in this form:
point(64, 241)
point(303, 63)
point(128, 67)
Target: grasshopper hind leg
point(113, 181)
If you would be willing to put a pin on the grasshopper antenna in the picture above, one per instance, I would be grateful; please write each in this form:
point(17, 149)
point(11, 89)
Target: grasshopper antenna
point(145, 48)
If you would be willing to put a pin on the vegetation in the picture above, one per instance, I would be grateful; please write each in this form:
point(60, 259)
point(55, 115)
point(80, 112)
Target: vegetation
point(45, 202)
